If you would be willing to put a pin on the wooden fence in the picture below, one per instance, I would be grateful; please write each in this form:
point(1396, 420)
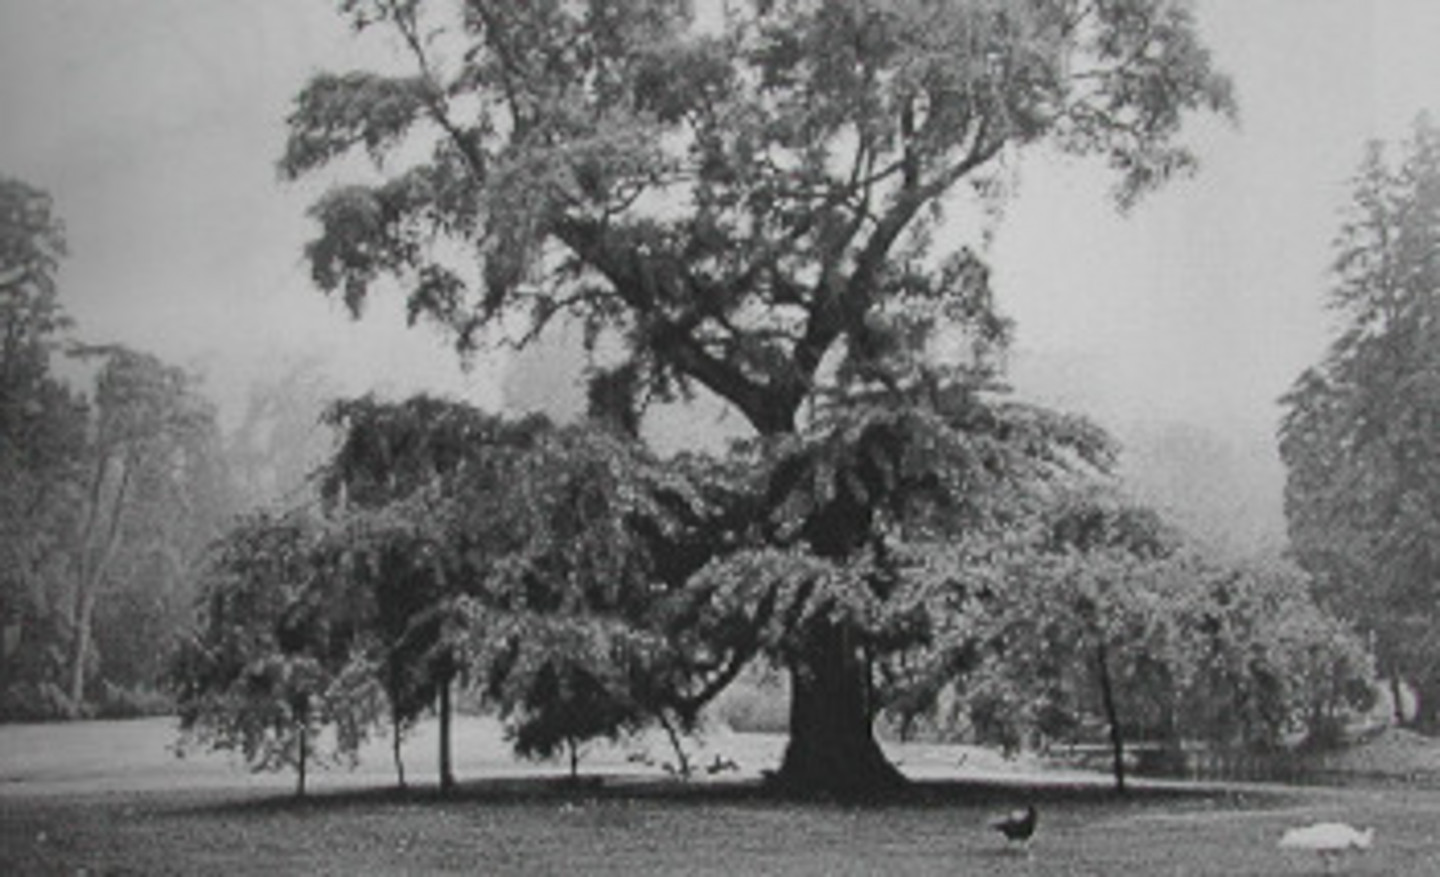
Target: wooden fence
point(1196, 762)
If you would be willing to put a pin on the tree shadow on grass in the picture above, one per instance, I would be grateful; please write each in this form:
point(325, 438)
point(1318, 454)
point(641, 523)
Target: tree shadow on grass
point(560, 791)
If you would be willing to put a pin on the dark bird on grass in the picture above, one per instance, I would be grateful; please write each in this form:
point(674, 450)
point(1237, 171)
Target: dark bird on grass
point(1018, 826)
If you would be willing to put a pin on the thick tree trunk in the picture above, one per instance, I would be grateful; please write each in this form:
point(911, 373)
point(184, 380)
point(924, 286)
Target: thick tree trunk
point(832, 745)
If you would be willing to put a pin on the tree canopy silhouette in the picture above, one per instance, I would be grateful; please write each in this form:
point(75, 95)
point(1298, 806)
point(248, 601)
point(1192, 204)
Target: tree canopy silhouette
point(746, 198)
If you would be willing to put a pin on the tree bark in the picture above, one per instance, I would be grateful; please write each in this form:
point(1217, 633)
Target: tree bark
point(447, 775)
point(832, 748)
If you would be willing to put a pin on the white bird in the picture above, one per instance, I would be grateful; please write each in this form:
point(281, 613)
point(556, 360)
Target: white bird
point(1330, 840)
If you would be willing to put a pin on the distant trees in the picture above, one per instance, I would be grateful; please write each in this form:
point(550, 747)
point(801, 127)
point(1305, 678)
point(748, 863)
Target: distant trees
point(154, 493)
point(108, 498)
point(280, 440)
point(42, 440)
point(1360, 439)
point(747, 206)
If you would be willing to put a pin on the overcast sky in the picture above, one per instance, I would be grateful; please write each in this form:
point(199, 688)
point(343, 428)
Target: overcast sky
point(156, 123)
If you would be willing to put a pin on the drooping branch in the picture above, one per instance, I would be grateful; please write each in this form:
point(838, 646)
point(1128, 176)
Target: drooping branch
point(742, 652)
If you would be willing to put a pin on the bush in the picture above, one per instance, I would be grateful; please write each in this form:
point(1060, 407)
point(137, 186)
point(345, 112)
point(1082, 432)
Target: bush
point(118, 702)
point(35, 702)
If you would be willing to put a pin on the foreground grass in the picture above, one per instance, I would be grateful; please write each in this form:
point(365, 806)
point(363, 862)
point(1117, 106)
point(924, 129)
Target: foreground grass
point(545, 827)
point(110, 798)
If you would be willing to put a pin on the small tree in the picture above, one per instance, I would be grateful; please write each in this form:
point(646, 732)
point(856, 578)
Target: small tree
point(389, 486)
point(527, 560)
point(393, 579)
point(270, 665)
point(1264, 659)
point(1101, 614)
point(1071, 631)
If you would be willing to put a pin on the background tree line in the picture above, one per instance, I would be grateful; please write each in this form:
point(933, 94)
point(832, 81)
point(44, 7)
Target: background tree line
point(116, 479)
point(1359, 438)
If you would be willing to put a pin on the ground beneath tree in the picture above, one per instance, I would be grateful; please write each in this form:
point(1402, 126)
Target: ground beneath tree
point(106, 798)
point(139, 755)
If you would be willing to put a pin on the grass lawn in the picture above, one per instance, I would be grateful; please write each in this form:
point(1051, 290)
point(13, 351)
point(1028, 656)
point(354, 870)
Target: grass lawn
point(69, 816)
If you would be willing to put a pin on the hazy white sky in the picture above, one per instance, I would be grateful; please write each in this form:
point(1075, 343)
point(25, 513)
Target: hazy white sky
point(1206, 300)
point(156, 123)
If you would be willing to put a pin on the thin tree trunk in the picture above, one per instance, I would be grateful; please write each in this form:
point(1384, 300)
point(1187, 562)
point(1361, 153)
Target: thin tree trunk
point(1107, 698)
point(447, 775)
point(93, 567)
point(674, 735)
point(304, 757)
point(395, 748)
point(80, 655)
point(1397, 699)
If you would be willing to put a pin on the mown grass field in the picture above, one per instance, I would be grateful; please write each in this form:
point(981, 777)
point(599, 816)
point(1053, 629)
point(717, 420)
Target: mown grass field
point(70, 803)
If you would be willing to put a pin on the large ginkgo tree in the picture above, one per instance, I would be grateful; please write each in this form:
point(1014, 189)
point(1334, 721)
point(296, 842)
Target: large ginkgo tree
point(743, 196)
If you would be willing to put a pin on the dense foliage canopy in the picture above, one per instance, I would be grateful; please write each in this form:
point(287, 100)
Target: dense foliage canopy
point(747, 198)
point(736, 194)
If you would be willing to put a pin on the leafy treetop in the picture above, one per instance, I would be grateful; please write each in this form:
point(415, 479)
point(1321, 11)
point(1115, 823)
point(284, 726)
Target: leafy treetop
point(736, 194)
